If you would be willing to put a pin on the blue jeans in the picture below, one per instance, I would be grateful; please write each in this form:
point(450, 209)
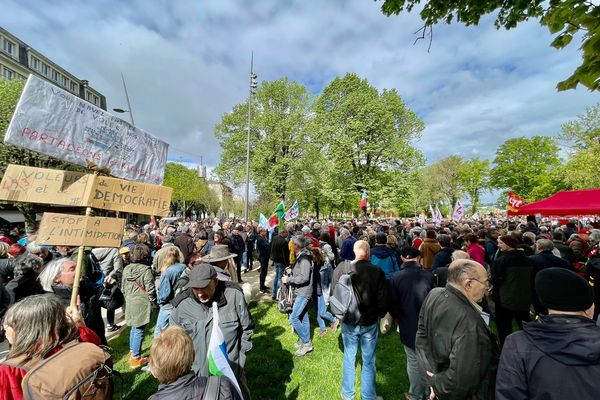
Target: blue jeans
point(299, 319)
point(279, 268)
point(162, 321)
point(367, 337)
point(322, 313)
point(136, 336)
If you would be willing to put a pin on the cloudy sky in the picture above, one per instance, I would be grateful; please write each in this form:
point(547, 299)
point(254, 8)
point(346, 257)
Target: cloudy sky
point(187, 62)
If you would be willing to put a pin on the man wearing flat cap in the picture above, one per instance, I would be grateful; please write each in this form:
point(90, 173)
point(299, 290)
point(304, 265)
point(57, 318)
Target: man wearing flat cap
point(193, 312)
point(558, 356)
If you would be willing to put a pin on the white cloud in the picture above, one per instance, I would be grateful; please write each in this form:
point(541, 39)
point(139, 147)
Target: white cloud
point(187, 63)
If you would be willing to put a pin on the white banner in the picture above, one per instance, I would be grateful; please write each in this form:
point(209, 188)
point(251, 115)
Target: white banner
point(57, 123)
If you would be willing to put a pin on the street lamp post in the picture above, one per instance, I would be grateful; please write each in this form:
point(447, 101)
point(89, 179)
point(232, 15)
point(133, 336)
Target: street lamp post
point(120, 110)
point(253, 86)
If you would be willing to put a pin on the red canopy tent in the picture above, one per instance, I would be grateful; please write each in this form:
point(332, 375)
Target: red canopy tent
point(571, 202)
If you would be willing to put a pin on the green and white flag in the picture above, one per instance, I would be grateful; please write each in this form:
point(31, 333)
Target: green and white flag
point(218, 360)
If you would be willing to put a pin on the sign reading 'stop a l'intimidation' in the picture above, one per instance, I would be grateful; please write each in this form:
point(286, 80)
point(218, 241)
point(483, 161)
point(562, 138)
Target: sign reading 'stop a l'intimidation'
point(54, 122)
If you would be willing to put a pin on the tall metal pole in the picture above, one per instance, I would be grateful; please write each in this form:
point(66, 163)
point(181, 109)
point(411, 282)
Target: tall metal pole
point(246, 211)
point(127, 96)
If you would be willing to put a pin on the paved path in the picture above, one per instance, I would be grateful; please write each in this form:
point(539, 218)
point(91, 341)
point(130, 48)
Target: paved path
point(251, 293)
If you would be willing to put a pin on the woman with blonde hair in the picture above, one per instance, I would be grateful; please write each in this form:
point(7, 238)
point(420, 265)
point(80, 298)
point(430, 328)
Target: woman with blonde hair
point(171, 271)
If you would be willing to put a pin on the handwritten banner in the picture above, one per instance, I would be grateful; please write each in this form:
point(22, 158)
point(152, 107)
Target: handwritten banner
point(50, 186)
point(57, 123)
point(79, 230)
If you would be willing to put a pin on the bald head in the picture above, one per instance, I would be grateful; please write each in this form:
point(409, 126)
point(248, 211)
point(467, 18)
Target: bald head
point(362, 250)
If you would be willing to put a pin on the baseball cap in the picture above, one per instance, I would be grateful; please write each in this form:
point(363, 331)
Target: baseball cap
point(201, 275)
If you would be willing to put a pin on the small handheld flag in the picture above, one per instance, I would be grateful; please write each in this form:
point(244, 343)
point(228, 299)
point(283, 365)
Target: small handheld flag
point(293, 212)
point(218, 361)
point(458, 211)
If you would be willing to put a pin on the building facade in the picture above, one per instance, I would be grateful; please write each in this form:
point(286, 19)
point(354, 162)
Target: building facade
point(18, 60)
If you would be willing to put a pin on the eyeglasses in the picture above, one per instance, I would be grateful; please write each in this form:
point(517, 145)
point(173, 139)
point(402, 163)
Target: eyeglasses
point(485, 283)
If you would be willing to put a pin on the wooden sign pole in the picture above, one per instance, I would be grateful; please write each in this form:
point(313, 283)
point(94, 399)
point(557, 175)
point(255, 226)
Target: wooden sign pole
point(75, 292)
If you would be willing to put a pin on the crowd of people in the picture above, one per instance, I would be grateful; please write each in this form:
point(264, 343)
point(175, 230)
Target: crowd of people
point(441, 288)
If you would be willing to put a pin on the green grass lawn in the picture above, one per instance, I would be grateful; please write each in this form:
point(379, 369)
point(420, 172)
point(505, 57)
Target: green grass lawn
point(272, 370)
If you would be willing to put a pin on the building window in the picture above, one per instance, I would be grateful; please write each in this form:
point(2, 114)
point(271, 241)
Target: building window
point(8, 46)
point(74, 87)
point(63, 81)
point(35, 63)
point(55, 76)
point(8, 73)
point(44, 69)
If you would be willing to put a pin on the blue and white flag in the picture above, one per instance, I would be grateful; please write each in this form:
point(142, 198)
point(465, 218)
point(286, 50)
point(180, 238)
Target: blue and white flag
point(293, 212)
point(263, 222)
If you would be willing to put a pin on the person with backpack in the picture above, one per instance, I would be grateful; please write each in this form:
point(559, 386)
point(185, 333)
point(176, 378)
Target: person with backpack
point(38, 329)
point(171, 358)
point(372, 293)
point(321, 266)
point(301, 281)
point(140, 296)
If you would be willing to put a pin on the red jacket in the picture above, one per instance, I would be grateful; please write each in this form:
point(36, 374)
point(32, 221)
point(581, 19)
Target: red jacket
point(11, 376)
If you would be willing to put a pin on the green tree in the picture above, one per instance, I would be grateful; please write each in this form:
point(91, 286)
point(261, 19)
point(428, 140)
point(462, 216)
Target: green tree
point(366, 135)
point(525, 166)
point(189, 190)
point(10, 91)
point(564, 18)
point(582, 136)
point(278, 139)
point(474, 177)
point(442, 181)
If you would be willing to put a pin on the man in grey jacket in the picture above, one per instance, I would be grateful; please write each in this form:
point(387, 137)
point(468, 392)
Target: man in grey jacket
point(193, 312)
point(301, 282)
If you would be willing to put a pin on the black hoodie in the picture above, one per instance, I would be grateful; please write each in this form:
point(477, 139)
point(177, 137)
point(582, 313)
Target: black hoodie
point(557, 357)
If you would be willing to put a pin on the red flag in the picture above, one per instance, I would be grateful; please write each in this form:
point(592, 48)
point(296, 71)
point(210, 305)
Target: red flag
point(273, 221)
point(363, 200)
point(514, 202)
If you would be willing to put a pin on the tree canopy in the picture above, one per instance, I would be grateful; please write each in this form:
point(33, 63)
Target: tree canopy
point(525, 165)
point(563, 18)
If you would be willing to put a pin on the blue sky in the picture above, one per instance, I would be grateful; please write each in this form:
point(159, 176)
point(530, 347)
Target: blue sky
point(187, 62)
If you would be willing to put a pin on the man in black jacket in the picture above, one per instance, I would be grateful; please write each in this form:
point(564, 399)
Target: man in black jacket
point(373, 291)
point(542, 260)
point(512, 279)
point(558, 356)
point(263, 248)
point(410, 286)
point(237, 247)
point(280, 254)
point(454, 344)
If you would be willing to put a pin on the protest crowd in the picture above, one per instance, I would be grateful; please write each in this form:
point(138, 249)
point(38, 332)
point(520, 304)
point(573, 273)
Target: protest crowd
point(490, 308)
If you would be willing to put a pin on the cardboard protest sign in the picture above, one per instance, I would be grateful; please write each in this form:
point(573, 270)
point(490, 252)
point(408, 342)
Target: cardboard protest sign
point(79, 230)
point(52, 121)
point(50, 186)
point(121, 195)
point(45, 186)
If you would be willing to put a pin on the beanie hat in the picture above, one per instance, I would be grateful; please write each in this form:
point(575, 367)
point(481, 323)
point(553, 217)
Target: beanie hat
point(563, 290)
point(509, 241)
